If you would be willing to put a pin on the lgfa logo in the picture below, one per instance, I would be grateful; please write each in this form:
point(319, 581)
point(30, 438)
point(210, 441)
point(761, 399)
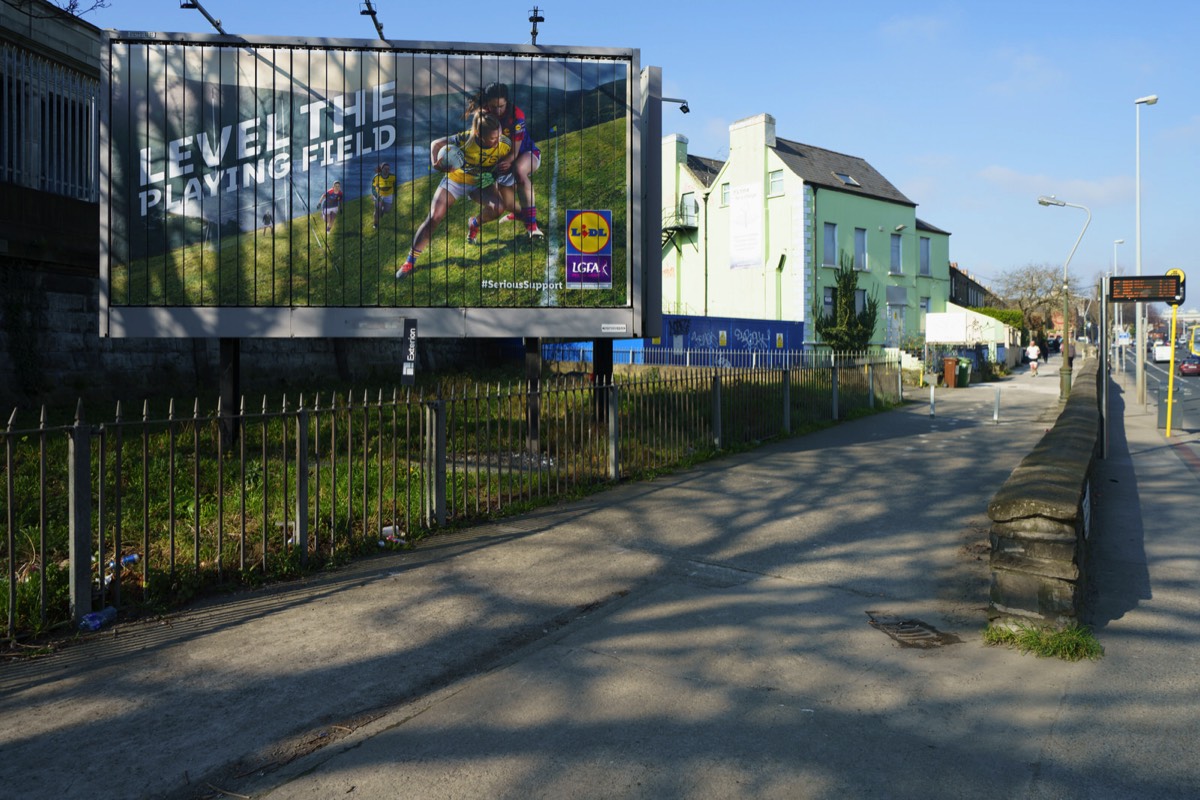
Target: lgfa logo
point(588, 232)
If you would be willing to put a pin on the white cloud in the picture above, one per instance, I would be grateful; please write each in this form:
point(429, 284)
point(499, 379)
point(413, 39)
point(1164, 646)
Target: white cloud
point(1024, 72)
point(922, 28)
point(1187, 132)
point(1097, 192)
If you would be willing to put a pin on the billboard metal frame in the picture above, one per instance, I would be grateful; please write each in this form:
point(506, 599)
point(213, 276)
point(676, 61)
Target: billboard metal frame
point(639, 316)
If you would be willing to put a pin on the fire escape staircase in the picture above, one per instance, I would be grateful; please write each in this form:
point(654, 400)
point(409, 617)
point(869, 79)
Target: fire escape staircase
point(676, 221)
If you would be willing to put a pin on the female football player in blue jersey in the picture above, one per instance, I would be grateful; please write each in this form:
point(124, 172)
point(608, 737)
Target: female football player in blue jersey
point(513, 171)
point(483, 146)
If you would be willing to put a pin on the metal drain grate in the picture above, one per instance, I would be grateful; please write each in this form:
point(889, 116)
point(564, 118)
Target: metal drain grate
point(911, 632)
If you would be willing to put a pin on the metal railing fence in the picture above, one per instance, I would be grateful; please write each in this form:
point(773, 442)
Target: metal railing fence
point(48, 125)
point(721, 357)
point(152, 508)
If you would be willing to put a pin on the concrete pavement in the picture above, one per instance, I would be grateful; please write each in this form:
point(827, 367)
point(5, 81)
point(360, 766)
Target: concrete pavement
point(704, 635)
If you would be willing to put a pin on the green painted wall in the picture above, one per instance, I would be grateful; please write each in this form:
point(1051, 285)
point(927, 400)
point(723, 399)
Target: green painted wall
point(784, 275)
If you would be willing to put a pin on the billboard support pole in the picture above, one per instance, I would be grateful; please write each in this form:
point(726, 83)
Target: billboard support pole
point(533, 380)
point(602, 374)
point(231, 391)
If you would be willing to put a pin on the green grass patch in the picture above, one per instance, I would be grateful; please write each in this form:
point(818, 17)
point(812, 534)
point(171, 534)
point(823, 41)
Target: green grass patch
point(295, 264)
point(205, 521)
point(1073, 643)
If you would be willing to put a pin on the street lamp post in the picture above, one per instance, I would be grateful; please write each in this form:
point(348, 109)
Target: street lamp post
point(1120, 318)
point(1139, 309)
point(1064, 372)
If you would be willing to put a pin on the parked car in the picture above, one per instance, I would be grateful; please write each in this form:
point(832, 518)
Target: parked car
point(1190, 366)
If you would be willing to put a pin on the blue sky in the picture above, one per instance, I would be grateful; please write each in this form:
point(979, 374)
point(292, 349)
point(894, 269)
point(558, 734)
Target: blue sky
point(971, 109)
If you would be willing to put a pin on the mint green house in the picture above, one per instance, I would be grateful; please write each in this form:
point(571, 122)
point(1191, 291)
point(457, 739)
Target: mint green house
point(759, 235)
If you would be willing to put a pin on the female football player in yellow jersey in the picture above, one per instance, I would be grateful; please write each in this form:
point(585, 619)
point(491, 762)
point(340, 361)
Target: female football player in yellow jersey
point(482, 146)
point(514, 170)
point(383, 191)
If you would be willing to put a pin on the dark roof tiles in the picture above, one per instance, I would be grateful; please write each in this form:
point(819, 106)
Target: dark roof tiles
point(705, 169)
point(922, 225)
point(819, 167)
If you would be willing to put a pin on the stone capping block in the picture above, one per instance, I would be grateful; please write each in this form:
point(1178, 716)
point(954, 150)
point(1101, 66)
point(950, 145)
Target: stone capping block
point(1038, 557)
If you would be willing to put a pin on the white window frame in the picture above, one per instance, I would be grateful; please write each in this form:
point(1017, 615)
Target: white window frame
point(775, 183)
point(924, 311)
point(925, 256)
point(897, 266)
point(860, 249)
point(724, 194)
point(829, 257)
point(687, 208)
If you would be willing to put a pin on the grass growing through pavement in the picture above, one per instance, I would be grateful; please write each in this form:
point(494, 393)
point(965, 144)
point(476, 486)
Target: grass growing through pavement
point(1073, 643)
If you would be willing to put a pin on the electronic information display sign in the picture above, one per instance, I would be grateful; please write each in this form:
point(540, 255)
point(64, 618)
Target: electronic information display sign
point(286, 187)
point(1145, 289)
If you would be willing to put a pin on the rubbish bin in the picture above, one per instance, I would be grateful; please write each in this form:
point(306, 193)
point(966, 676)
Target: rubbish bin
point(1177, 422)
point(964, 372)
point(950, 371)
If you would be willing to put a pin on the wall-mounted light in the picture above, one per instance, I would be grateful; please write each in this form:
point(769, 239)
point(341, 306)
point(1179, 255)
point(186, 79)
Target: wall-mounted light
point(900, 227)
point(683, 104)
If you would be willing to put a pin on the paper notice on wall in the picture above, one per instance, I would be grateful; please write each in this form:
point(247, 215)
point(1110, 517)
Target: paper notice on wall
point(746, 226)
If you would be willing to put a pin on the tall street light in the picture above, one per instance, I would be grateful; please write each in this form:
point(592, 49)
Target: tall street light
point(1139, 309)
point(1120, 318)
point(1064, 372)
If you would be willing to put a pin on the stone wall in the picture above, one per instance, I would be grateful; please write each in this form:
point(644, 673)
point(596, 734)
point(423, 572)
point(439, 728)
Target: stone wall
point(1041, 517)
point(51, 352)
point(47, 30)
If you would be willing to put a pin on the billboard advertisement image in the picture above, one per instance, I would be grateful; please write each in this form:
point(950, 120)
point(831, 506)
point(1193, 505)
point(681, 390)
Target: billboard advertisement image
point(275, 187)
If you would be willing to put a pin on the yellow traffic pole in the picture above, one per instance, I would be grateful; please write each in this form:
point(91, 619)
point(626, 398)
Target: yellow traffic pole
point(1171, 373)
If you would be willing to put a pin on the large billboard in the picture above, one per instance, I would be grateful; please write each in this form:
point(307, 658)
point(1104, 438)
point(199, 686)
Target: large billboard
point(283, 187)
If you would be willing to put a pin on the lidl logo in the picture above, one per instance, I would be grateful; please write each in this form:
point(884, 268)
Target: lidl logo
point(589, 232)
point(589, 249)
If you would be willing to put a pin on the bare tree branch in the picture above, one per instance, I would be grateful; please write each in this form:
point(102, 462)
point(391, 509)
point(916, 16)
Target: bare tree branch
point(1036, 290)
point(73, 6)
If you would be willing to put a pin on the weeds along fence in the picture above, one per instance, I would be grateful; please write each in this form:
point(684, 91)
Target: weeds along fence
point(150, 508)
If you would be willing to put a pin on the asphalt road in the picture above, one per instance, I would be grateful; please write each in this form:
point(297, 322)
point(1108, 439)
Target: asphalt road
point(1185, 415)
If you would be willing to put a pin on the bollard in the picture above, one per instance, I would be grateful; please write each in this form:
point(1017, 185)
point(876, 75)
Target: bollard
point(996, 410)
point(931, 402)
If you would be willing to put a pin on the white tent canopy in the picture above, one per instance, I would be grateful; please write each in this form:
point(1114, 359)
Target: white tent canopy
point(962, 326)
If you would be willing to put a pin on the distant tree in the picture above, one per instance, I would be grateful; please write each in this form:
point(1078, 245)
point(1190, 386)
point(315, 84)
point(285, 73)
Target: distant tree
point(847, 329)
point(1009, 316)
point(1035, 290)
point(80, 7)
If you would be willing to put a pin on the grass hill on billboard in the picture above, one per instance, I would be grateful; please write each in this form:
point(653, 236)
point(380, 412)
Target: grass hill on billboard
point(293, 263)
